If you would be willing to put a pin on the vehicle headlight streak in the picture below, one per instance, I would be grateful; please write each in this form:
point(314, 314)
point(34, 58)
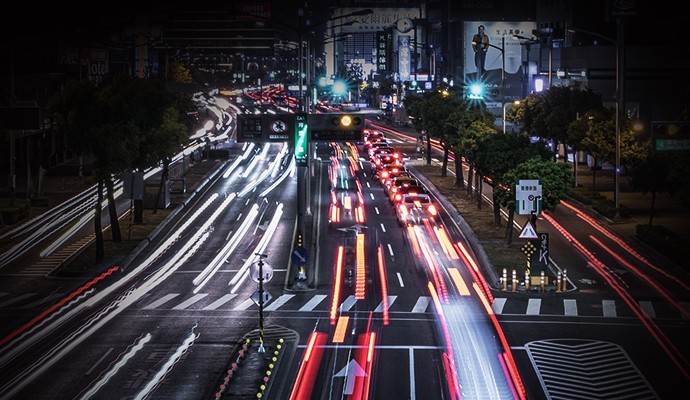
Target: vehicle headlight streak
point(43, 228)
point(174, 358)
point(275, 168)
point(255, 160)
point(222, 257)
point(85, 219)
point(110, 312)
point(289, 172)
point(243, 272)
point(126, 357)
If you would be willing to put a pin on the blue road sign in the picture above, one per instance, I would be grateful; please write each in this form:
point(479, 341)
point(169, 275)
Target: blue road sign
point(300, 256)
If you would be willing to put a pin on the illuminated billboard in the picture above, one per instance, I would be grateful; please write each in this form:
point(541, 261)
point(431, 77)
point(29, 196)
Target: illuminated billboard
point(497, 39)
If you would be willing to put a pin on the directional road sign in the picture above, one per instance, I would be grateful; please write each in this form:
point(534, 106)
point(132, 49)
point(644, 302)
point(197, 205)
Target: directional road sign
point(265, 270)
point(300, 255)
point(256, 297)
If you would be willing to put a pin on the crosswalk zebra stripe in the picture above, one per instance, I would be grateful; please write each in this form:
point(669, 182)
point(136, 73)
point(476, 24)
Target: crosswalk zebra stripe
point(422, 304)
point(498, 305)
point(161, 301)
point(391, 300)
point(313, 302)
point(244, 305)
point(609, 308)
point(190, 301)
point(348, 303)
point(278, 302)
point(648, 308)
point(570, 307)
point(227, 297)
point(533, 306)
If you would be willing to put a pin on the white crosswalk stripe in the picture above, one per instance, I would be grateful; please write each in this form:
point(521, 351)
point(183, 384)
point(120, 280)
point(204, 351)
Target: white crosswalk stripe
point(319, 303)
point(313, 302)
point(190, 301)
point(161, 301)
point(498, 305)
point(220, 302)
point(533, 306)
point(648, 308)
point(422, 304)
point(391, 300)
point(609, 308)
point(570, 307)
point(275, 304)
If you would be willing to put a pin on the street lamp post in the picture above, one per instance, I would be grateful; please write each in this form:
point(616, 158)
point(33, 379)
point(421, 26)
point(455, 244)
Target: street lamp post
point(528, 42)
point(516, 102)
point(620, 101)
point(502, 49)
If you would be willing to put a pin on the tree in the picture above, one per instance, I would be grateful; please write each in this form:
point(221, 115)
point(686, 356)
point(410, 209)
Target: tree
point(498, 154)
point(600, 139)
point(653, 176)
point(549, 114)
point(125, 123)
point(179, 73)
point(472, 123)
point(555, 180)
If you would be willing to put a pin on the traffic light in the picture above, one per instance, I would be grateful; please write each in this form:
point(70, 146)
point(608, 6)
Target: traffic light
point(332, 126)
point(300, 243)
point(301, 140)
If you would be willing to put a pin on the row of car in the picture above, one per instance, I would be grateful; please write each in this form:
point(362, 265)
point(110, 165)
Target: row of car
point(410, 199)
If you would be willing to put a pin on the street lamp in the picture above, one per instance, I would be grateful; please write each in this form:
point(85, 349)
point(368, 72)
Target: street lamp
point(516, 102)
point(528, 42)
point(620, 100)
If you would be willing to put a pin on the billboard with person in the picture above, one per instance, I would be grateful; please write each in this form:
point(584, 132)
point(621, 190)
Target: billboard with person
point(487, 43)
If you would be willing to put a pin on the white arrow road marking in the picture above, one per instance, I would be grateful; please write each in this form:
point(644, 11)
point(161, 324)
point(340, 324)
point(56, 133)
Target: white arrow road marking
point(350, 372)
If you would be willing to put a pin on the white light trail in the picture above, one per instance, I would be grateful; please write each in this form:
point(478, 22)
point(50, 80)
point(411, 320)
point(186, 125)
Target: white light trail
point(172, 360)
point(126, 357)
point(205, 276)
point(260, 247)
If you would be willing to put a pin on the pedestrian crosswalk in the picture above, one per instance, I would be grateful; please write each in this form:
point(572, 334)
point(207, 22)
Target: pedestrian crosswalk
point(319, 302)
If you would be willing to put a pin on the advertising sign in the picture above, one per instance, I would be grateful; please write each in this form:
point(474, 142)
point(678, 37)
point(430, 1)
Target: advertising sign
point(497, 32)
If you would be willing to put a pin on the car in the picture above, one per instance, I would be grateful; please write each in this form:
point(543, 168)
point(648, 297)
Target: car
point(403, 190)
point(382, 149)
point(371, 134)
point(347, 203)
point(392, 169)
point(374, 140)
point(392, 184)
point(416, 209)
point(382, 159)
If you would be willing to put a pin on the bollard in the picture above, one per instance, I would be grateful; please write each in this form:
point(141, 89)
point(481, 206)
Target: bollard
point(542, 281)
point(505, 279)
point(565, 281)
point(558, 282)
point(514, 281)
point(527, 280)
